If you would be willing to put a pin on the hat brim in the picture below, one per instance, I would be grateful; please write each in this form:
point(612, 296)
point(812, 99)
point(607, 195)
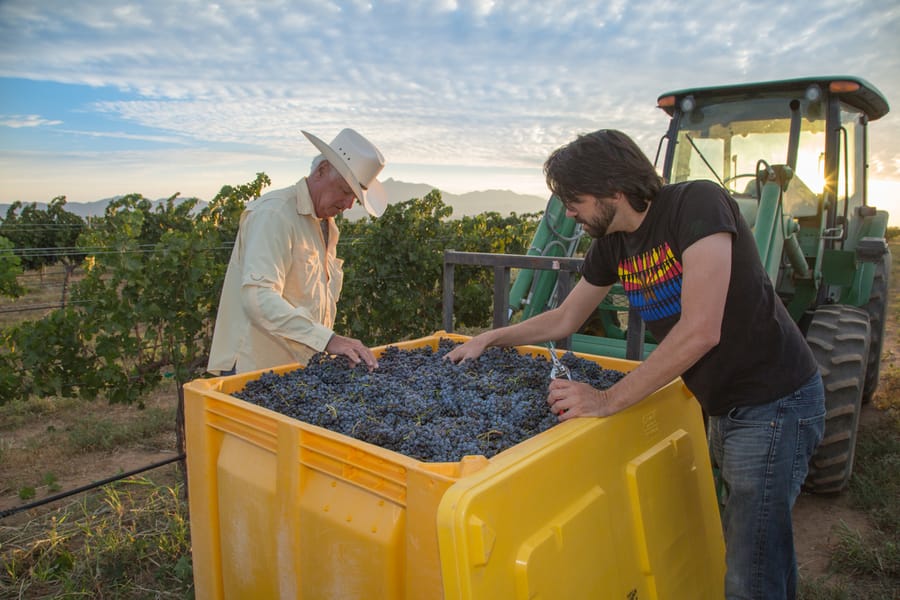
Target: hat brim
point(374, 198)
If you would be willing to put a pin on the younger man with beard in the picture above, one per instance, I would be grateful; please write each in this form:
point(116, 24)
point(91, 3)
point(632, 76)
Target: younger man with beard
point(689, 263)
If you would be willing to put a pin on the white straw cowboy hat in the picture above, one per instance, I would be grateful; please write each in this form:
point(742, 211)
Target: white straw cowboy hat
point(359, 162)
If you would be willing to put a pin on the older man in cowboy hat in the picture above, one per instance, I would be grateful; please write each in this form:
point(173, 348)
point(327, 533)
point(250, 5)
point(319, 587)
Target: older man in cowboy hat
point(280, 295)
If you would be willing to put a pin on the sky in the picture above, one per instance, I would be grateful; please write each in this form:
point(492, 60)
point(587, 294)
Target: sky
point(101, 98)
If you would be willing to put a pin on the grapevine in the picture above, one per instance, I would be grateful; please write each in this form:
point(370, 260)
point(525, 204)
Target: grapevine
point(422, 406)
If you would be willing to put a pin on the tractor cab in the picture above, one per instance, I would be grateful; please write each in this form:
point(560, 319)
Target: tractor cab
point(816, 127)
point(808, 138)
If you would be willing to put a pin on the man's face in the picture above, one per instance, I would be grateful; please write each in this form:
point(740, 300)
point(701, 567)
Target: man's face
point(332, 194)
point(595, 214)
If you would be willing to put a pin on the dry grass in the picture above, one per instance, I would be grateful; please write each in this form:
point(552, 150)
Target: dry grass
point(129, 540)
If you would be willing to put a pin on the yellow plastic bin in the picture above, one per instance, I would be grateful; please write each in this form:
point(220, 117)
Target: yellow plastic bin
point(622, 507)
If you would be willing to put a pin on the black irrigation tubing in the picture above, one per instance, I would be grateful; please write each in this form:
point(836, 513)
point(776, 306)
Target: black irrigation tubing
point(11, 511)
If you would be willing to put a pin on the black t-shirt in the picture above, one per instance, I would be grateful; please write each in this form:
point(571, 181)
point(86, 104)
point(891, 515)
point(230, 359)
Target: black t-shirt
point(761, 355)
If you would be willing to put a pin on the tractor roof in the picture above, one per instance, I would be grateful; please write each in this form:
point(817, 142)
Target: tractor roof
point(854, 91)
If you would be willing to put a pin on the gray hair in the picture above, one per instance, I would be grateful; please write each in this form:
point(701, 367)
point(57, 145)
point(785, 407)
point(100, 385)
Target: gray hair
point(316, 162)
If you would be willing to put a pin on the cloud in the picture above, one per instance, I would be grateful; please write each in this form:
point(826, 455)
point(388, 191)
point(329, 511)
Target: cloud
point(465, 82)
point(121, 135)
point(19, 121)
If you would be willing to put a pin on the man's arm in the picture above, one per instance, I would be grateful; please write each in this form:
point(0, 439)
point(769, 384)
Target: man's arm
point(707, 272)
point(551, 325)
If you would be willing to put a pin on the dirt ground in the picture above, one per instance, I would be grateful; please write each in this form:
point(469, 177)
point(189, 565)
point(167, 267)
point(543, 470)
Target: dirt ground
point(35, 448)
point(817, 519)
point(38, 454)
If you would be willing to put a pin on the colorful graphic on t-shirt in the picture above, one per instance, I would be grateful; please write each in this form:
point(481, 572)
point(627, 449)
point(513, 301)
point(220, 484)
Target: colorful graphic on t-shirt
point(652, 282)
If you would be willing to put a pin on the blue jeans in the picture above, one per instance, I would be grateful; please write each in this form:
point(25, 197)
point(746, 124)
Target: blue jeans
point(762, 453)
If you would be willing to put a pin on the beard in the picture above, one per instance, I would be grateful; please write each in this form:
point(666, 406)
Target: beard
point(599, 225)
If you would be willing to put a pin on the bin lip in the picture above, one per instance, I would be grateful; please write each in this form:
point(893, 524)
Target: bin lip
point(619, 364)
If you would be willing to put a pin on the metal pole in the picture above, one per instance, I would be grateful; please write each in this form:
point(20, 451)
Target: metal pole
point(448, 295)
point(501, 296)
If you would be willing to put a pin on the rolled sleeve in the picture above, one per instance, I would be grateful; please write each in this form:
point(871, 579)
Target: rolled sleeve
point(269, 311)
point(273, 250)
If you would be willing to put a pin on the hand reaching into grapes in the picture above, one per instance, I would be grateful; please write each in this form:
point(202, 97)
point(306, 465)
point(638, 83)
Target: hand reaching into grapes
point(470, 350)
point(353, 349)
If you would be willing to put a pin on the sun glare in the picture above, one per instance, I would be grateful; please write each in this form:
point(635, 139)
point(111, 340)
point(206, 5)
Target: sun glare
point(884, 194)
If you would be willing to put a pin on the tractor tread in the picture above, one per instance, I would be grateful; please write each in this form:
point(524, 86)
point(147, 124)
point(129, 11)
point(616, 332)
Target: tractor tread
point(839, 338)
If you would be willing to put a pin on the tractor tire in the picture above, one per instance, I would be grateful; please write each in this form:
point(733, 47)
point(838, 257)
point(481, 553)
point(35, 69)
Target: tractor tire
point(839, 338)
point(877, 309)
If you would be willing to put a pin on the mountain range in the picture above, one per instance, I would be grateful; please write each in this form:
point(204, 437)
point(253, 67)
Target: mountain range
point(468, 204)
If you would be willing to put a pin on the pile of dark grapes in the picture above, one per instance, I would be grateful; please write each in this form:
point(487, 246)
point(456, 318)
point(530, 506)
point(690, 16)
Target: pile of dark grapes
point(422, 406)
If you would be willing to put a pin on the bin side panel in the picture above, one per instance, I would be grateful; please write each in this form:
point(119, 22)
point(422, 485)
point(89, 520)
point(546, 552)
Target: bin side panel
point(247, 520)
point(550, 520)
point(351, 540)
point(566, 515)
point(202, 445)
point(678, 543)
point(538, 561)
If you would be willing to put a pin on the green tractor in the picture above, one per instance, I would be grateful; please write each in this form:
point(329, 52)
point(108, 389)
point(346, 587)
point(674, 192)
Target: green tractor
point(793, 155)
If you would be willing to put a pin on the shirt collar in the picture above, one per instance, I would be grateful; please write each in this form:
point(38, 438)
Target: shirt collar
point(304, 200)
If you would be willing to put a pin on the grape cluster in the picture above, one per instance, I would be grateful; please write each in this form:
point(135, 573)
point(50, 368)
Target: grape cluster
point(422, 406)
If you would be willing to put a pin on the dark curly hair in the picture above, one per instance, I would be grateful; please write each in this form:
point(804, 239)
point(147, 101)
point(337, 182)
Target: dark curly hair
point(600, 164)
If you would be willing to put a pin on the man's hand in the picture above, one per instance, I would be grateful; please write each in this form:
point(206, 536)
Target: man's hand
point(472, 349)
point(570, 399)
point(353, 349)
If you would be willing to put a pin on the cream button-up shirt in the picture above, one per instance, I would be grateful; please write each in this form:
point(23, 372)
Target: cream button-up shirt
point(281, 288)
